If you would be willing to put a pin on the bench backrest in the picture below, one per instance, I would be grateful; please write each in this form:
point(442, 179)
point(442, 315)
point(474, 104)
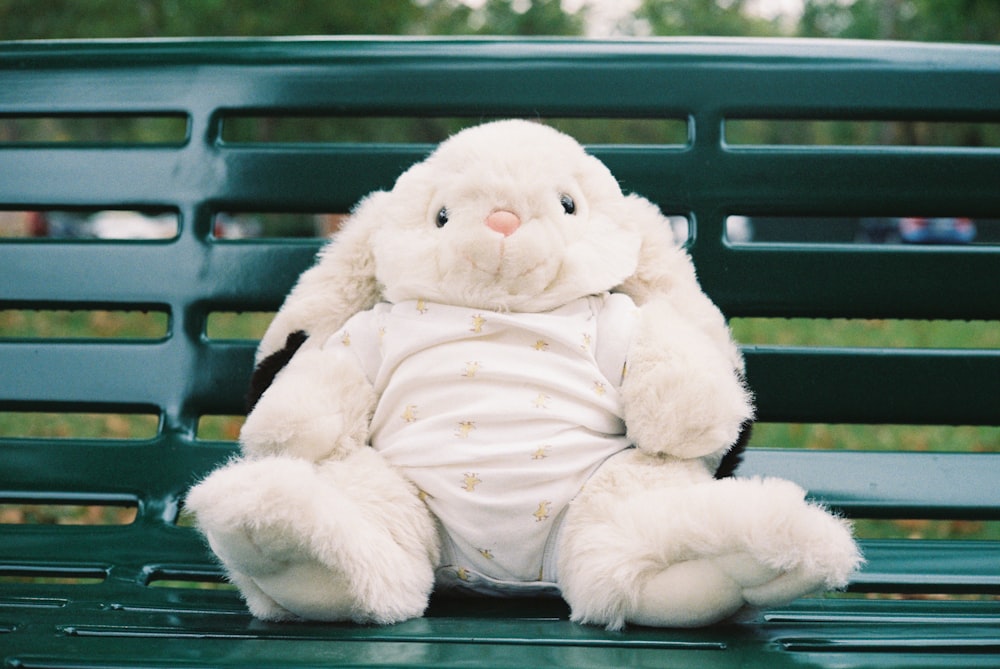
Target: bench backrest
point(709, 89)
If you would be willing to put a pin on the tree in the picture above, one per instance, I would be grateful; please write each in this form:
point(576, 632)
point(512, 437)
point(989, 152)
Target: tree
point(58, 19)
point(919, 20)
point(699, 17)
point(502, 17)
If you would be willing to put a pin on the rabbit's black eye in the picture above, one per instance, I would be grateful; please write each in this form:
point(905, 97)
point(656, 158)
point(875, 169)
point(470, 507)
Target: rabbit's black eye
point(442, 217)
point(567, 204)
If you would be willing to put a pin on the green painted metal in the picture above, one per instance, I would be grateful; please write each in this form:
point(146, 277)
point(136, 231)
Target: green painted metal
point(115, 600)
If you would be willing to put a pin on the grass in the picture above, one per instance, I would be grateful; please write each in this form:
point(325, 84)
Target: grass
point(93, 324)
point(867, 333)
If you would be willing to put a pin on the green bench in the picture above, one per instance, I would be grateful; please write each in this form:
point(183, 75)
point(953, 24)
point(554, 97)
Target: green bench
point(112, 595)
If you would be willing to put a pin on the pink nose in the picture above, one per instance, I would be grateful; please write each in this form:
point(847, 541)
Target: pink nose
point(504, 222)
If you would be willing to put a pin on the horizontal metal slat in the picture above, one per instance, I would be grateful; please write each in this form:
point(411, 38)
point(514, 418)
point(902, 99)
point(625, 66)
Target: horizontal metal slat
point(860, 181)
point(131, 375)
point(889, 484)
point(85, 176)
point(301, 179)
point(253, 275)
point(168, 375)
point(93, 273)
point(904, 386)
point(863, 484)
point(852, 282)
point(403, 73)
point(929, 566)
point(857, 181)
point(72, 550)
point(879, 182)
point(88, 471)
point(118, 275)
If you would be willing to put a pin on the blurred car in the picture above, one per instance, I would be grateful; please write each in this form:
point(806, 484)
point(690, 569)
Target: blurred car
point(937, 230)
point(917, 230)
point(113, 224)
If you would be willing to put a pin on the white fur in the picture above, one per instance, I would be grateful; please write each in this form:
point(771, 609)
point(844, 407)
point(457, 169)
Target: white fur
point(301, 416)
point(344, 540)
point(681, 395)
point(554, 257)
point(312, 523)
point(653, 541)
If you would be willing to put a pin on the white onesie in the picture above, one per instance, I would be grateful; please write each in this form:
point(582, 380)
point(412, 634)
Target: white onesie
point(498, 418)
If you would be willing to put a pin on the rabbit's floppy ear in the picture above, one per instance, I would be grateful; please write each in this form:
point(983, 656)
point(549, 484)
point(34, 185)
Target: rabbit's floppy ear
point(665, 271)
point(663, 266)
point(340, 284)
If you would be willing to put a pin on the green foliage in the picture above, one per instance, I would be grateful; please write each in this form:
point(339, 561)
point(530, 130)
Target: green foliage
point(52, 425)
point(930, 20)
point(97, 324)
point(704, 17)
point(59, 19)
point(875, 333)
point(500, 17)
point(919, 20)
point(37, 19)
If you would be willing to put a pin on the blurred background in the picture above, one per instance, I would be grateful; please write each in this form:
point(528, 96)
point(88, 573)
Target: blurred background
point(934, 20)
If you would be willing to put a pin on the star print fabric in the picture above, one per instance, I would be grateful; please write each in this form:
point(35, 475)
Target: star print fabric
point(499, 419)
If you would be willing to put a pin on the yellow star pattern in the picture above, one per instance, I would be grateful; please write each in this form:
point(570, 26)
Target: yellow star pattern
point(421, 306)
point(470, 369)
point(599, 388)
point(541, 453)
point(543, 511)
point(471, 481)
point(464, 428)
point(345, 339)
point(477, 323)
point(486, 553)
point(541, 345)
point(410, 413)
point(542, 401)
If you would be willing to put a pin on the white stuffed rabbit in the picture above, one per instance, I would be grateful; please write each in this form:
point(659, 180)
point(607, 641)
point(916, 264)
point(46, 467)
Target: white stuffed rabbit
point(502, 377)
